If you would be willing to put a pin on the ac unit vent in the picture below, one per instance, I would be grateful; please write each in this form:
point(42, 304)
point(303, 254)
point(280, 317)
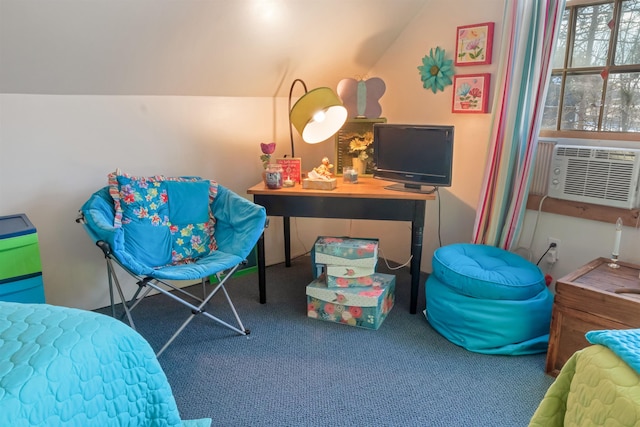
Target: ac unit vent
point(600, 175)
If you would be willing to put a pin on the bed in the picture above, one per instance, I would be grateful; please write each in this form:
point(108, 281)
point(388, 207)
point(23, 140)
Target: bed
point(64, 366)
point(599, 385)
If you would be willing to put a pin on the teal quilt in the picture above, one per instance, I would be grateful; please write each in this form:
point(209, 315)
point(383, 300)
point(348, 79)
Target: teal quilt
point(67, 367)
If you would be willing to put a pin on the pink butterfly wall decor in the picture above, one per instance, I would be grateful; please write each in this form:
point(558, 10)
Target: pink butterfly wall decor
point(361, 97)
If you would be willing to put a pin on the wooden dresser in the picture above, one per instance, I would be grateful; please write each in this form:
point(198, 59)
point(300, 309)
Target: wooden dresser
point(594, 297)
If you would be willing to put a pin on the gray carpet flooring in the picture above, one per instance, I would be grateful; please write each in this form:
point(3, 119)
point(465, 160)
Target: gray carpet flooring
point(296, 371)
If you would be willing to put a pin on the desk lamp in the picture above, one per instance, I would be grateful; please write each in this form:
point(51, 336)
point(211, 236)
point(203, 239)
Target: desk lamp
point(317, 115)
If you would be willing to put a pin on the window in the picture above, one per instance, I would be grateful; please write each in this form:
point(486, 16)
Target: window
point(595, 81)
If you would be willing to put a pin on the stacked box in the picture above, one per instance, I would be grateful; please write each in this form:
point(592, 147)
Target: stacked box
point(365, 307)
point(20, 266)
point(344, 276)
point(347, 261)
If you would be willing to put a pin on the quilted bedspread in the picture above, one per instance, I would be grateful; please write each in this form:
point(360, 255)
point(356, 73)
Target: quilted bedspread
point(598, 385)
point(63, 366)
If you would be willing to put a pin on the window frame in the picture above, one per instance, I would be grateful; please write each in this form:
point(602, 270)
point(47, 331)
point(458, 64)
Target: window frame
point(599, 134)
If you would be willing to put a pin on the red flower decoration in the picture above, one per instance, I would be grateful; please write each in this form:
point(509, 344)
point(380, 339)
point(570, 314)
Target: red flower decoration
point(269, 148)
point(355, 311)
point(329, 308)
point(365, 280)
point(475, 92)
point(342, 282)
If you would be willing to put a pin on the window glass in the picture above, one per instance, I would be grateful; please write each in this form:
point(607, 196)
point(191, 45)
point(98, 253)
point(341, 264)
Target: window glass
point(595, 80)
point(550, 113)
point(581, 103)
point(561, 44)
point(592, 34)
point(622, 103)
point(627, 49)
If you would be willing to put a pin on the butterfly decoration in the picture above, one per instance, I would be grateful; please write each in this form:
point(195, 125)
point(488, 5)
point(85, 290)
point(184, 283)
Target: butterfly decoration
point(361, 97)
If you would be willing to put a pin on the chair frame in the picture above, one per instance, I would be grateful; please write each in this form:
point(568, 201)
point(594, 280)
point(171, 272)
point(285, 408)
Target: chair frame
point(146, 284)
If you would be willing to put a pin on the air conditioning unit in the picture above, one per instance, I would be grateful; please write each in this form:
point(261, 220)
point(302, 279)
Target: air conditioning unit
point(600, 175)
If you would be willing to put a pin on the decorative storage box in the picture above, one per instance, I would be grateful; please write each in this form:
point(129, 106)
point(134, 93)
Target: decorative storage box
point(365, 307)
point(353, 252)
point(20, 266)
point(344, 276)
point(594, 297)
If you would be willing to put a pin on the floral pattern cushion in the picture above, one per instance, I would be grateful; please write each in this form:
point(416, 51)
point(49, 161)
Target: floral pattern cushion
point(166, 220)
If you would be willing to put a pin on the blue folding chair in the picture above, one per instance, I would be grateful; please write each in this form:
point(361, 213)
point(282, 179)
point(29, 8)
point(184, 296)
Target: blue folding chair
point(158, 229)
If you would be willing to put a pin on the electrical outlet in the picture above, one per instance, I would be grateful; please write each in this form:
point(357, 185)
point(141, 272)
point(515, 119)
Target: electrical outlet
point(552, 256)
point(551, 240)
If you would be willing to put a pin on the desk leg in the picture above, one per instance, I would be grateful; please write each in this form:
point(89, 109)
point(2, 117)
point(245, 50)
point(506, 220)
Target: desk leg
point(416, 258)
point(286, 222)
point(417, 229)
point(262, 283)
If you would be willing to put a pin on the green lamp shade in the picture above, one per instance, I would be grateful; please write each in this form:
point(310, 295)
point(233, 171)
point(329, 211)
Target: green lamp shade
point(318, 115)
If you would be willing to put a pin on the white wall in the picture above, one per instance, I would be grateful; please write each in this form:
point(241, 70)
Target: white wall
point(581, 241)
point(407, 101)
point(56, 150)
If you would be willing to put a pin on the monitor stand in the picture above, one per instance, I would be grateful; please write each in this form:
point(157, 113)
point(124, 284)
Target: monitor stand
point(411, 188)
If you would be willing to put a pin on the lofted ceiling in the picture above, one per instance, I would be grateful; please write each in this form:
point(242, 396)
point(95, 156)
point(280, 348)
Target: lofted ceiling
point(192, 47)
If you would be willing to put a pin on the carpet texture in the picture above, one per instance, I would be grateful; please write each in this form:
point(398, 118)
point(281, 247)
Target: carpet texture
point(296, 371)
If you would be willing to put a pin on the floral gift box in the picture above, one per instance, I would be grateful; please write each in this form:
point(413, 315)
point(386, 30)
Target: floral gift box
point(365, 307)
point(354, 252)
point(344, 276)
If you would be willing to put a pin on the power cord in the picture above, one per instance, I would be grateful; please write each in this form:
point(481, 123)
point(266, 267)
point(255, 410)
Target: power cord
point(397, 267)
point(551, 246)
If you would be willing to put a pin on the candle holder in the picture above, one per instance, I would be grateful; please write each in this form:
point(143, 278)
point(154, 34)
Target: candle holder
point(616, 245)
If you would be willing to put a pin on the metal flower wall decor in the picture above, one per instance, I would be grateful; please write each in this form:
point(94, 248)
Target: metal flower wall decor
point(436, 71)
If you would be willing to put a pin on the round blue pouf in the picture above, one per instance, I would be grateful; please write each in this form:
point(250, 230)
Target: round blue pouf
point(488, 300)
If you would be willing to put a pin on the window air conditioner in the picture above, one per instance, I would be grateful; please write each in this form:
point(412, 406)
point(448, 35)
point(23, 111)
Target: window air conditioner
point(600, 175)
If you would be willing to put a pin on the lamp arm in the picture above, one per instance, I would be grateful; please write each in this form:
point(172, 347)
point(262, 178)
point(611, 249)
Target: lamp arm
point(289, 111)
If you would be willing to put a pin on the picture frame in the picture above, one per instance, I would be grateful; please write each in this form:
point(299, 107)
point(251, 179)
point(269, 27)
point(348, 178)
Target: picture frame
point(471, 93)
point(474, 44)
point(355, 140)
point(291, 168)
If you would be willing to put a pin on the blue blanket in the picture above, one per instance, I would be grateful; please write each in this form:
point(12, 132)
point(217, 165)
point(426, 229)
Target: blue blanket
point(625, 343)
point(63, 366)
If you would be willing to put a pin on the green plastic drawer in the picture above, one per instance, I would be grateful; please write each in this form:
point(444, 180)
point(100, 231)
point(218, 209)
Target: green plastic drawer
point(19, 256)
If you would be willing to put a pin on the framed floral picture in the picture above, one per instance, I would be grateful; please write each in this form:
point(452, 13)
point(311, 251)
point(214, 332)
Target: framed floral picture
point(474, 44)
point(471, 93)
point(354, 145)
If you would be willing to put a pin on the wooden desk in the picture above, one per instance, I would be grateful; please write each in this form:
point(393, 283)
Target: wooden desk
point(368, 199)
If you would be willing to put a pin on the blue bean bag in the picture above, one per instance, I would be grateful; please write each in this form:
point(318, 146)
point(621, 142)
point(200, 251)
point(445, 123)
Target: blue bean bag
point(488, 300)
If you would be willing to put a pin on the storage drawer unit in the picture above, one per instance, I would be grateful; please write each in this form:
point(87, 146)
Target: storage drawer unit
point(20, 265)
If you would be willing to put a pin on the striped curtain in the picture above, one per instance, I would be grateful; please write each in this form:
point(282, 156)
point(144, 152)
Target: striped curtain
point(528, 37)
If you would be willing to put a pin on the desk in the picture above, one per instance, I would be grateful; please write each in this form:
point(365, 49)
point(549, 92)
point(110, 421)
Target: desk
point(368, 199)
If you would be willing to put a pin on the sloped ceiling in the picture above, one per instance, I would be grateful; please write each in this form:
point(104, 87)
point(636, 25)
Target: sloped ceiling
point(192, 47)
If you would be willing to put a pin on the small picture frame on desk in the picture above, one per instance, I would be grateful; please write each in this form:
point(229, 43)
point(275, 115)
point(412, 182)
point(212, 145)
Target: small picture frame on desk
point(291, 168)
point(354, 146)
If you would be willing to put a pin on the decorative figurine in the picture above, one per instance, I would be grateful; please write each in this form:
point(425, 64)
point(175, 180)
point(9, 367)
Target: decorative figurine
point(321, 177)
point(323, 171)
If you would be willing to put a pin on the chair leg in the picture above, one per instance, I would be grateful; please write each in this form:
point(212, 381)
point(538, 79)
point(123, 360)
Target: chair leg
point(174, 293)
point(119, 289)
point(199, 310)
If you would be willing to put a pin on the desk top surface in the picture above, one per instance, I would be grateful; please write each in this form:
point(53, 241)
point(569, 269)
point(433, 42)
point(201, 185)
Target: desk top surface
point(366, 188)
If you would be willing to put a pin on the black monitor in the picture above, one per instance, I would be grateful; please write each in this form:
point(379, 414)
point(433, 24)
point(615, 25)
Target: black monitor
point(413, 155)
